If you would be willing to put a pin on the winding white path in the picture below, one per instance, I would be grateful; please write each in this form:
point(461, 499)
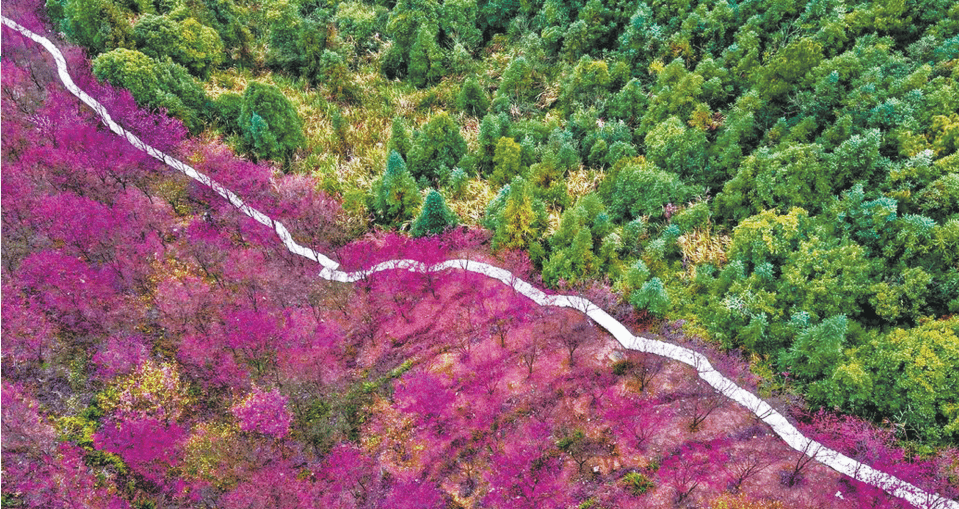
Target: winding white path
point(792, 436)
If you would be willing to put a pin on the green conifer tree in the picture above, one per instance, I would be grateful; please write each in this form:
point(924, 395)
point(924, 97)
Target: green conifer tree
point(278, 117)
point(435, 217)
point(652, 297)
point(399, 138)
point(425, 59)
point(264, 141)
point(507, 160)
point(471, 99)
point(97, 25)
point(439, 144)
point(520, 221)
point(491, 130)
point(397, 196)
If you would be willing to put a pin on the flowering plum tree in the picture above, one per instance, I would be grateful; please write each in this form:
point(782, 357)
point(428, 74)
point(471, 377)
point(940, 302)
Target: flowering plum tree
point(119, 355)
point(264, 412)
point(149, 446)
point(692, 466)
point(635, 422)
point(527, 472)
point(76, 295)
point(28, 337)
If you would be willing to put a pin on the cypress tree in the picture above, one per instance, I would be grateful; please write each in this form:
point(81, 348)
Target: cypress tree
point(397, 196)
point(435, 218)
point(472, 99)
point(399, 137)
point(521, 221)
point(507, 160)
point(652, 297)
point(284, 131)
point(419, 58)
point(438, 144)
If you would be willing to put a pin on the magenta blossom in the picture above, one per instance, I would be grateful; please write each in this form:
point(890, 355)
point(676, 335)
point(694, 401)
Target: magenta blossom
point(264, 412)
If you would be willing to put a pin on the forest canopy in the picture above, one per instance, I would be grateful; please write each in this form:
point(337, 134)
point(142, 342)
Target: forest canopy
point(784, 172)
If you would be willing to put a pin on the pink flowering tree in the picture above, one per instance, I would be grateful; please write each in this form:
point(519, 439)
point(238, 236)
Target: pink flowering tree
point(264, 412)
point(635, 421)
point(150, 447)
point(527, 471)
point(28, 337)
point(693, 466)
point(119, 355)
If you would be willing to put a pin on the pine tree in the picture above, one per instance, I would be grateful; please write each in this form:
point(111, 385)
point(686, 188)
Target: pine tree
point(507, 160)
point(263, 140)
point(490, 131)
point(472, 99)
point(652, 297)
point(399, 137)
point(426, 60)
point(397, 196)
point(438, 144)
point(278, 117)
point(520, 221)
point(435, 218)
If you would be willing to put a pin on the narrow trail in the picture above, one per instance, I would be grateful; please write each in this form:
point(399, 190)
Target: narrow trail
point(786, 431)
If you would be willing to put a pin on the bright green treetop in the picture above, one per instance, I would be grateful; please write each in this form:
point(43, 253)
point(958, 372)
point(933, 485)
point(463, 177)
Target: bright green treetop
point(397, 197)
point(278, 133)
point(438, 145)
point(435, 217)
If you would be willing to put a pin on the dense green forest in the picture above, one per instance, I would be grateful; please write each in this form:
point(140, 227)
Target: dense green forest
point(783, 176)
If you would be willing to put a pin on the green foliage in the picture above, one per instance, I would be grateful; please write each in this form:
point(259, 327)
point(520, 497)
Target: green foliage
point(399, 137)
point(131, 70)
point(425, 58)
point(643, 189)
point(472, 99)
point(652, 297)
point(903, 296)
point(397, 197)
point(678, 149)
point(188, 43)
point(788, 66)
point(584, 246)
point(826, 278)
point(507, 161)
point(408, 22)
point(231, 23)
point(299, 35)
point(629, 103)
point(693, 217)
point(518, 219)
point(769, 236)
point(458, 19)
point(360, 23)
point(910, 376)
point(817, 349)
point(459, 179)
point(228, 107)
point(516, 85)
point(438, 145)
point(792, 177)
point(588, 81)
point(333, 73)
point(155, 84)
point(636, 483)
point(97, 25)
point(269, 124)
point(676, 93)
point(435, 217)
